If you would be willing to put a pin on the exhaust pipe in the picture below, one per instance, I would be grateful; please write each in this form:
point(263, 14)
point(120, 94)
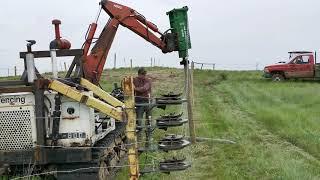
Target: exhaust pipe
point(54, 63)
point(30, 62)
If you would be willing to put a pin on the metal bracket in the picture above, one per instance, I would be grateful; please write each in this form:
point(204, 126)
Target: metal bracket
point(90, 101)
point(173, 142)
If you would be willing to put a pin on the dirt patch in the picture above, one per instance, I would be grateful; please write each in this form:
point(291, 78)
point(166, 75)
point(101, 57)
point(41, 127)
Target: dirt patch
point(172, 75)
point(160, 77)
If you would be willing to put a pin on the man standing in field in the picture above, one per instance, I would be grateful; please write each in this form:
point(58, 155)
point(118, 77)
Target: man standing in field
point(142, 95)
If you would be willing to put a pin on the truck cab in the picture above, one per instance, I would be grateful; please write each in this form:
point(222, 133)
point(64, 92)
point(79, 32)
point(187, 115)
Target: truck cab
point(301, 64)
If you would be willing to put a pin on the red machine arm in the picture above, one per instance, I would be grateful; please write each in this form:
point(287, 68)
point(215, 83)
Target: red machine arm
point(127, 17)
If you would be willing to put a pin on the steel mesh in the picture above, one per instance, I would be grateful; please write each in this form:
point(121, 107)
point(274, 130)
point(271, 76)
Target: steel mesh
point(15, 130)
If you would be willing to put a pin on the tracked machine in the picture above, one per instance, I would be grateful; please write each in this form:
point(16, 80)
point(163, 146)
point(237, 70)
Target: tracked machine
point(69, 124)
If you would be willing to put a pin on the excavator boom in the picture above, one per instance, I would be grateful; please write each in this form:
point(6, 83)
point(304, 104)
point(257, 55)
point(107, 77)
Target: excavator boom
point(129, 18)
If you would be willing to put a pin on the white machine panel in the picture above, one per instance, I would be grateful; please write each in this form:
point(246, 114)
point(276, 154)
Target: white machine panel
point(79, 125)
point(16, 99)
point(76, 124)
point(17, 128)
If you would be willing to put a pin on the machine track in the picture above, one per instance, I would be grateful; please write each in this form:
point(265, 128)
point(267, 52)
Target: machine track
point(106, 161)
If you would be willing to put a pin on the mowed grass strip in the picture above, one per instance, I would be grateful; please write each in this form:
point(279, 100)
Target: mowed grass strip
point(274, 125)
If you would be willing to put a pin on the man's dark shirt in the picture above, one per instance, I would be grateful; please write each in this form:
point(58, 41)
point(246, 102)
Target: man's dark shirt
point(142, 88)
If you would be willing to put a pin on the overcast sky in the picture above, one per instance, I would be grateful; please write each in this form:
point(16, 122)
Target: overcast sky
point(231, 33)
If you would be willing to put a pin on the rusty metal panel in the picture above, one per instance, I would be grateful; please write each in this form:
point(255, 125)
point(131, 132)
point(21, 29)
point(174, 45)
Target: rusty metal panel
point(12, 83)
point(47, 156)
point(15, 89)
point(60, 53)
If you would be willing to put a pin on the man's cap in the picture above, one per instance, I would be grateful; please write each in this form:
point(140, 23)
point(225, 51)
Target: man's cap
point(142, 71)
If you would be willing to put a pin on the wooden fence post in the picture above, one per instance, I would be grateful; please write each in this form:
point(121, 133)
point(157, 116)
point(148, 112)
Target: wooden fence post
point(191, 83)
point(129, 102)
point(65, 66)
point(15, 70)
point(189, 103)
point(115, 61)
point(131, 63)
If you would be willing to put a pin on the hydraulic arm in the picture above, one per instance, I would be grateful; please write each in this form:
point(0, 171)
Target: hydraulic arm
point(129, 18)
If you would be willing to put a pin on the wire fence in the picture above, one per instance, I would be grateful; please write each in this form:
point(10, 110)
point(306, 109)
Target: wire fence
point(200, 65)
point(12, 71)
point(154, 164)
point(204, 65)
point(18, 71)
point(7, 72)
point(232, 67)
point(125, 62)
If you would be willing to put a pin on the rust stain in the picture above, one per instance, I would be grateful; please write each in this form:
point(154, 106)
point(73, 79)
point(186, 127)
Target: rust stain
point(71, 117)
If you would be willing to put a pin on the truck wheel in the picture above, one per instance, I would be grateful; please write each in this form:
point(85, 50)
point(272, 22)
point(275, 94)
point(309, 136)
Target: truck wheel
point(277, 77)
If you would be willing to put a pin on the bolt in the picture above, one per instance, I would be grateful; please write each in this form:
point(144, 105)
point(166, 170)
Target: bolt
point(56, 23)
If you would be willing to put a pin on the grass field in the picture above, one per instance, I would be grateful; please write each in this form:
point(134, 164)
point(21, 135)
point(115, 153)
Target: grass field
point(275, 126)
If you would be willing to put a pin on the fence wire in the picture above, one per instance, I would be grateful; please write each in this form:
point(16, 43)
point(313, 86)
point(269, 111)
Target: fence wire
point(183, 108)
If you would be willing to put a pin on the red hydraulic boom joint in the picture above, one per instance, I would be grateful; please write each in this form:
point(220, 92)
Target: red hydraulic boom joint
point(94, 62)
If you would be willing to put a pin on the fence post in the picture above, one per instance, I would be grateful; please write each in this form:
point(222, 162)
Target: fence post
point(15, 70)
point(191, 83)
point(65, 66)
point(151, 62)
point(213, 66)
point(8, 72)
point(131, 63)
point(129, 102)
point(189, 103)
point(115, 61)
point(201, 66)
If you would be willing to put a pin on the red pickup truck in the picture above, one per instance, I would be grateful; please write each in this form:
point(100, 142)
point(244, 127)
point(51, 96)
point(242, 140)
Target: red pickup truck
point(301, 65)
